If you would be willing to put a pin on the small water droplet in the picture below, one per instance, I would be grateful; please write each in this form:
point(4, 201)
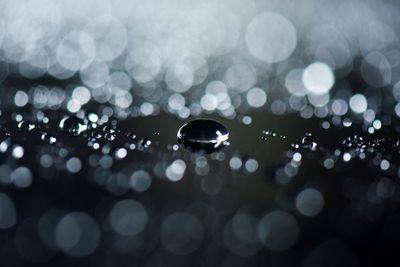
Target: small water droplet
point(109, 129)
point(73, 126)
point(4, 133)
point(203, 134)
point(48, 138)
point(267, 134)
point(309, 141)
point(96, 135)
point(110, 136)
point(145, 143)
point(397, 144)
point(131, 136)
point(26, 126)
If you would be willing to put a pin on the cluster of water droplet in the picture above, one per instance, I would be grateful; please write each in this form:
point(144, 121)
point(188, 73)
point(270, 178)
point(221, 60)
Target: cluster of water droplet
point(270, 134)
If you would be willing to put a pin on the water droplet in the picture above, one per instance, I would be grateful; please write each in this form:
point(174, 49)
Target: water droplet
point(4, 133)
point(131, 136)
point(73, 126)
point(48, 138)
point(397, 144)
point(309, 141)
point(145, 143)
point(109, 129)
point(347, 142)
point(96, 135)
point(110, 136)
point(26, 126)
point(203, 134)
point(267, 134)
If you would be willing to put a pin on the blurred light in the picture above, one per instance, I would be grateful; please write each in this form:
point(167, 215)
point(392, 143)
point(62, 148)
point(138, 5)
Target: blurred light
point(77, 234)
point(140, 180)
point(265, 39)
point(318, 78)
point(339, 107)
point(358, 103)
point(209, 102)
point(181, 233)
point(21, 99)
point(18, 152)
point(76, 51)
point(278, 230)
point(21, 177)
point(176, 170)
point(8, 214)
point(121, 153)
point(81, 94)
point(294, 84)
point(346, 157)
point(384, 165)
point(240, 235)
point(251, 165)
point(256, 97)
point(235, 163)
point(309, 202)
point(376, 70)
point(143, 64)
point(128, 217)
point(73, 165)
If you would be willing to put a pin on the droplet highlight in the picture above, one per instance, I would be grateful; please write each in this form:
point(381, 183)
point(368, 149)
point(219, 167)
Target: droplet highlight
point(203, 134)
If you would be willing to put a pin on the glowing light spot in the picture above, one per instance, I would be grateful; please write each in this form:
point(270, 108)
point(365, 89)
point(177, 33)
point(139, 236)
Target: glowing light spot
point(270, 37)
point(318, 78)
point(358, 103)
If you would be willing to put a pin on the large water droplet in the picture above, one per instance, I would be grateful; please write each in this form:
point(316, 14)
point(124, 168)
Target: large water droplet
point(73, 126)
point(203, 134)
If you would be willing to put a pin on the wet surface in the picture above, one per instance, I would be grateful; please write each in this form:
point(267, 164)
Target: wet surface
point(196, 133)
point(254, 198)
